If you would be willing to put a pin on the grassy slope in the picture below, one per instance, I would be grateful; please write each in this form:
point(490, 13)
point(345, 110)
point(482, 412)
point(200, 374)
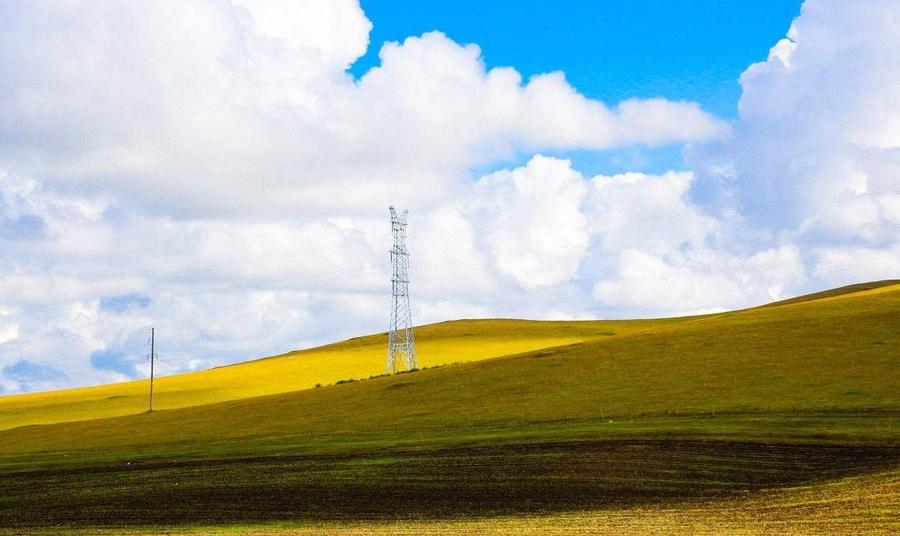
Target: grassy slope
point(825, 356)
point(840, 291)
point(804, 394)
point(448, 342)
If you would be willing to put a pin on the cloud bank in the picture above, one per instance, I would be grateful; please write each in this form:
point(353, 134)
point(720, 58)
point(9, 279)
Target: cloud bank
point(203, 107)
point(212, 169)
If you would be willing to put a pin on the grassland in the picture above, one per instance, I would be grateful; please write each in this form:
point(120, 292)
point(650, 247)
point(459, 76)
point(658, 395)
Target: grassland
point(439, 344)
point(487, 481)
point(788, 414)
point(851, 505)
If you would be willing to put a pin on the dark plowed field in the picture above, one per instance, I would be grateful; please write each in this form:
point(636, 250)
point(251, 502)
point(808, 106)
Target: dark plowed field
point(449, 483)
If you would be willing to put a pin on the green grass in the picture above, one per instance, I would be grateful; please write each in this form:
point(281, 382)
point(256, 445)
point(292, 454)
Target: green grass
point(805, 393)
point(850, 505)
point(361, 357)
point(837, 292)
point(515, 478)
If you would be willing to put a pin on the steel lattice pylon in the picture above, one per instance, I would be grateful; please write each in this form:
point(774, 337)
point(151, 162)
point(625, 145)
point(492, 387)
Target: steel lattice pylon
point(401, 341)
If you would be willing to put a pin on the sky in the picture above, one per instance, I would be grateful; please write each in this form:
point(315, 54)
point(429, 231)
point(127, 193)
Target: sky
point(611, 50)
point(221, 170)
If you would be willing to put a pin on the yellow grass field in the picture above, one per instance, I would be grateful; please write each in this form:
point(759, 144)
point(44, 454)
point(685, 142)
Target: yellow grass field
point(779, 419)
point(438, 344)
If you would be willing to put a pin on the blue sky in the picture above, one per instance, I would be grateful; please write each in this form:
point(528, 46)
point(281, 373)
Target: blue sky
point(609, 49)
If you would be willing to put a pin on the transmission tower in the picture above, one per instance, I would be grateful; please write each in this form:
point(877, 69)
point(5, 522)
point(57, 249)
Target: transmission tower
point(401, 341)
point(152, 357)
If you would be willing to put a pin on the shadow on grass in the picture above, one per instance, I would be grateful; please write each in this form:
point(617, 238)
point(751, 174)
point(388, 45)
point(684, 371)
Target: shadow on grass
point(465, 482)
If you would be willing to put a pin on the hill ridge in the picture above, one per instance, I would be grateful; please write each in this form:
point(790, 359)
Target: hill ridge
point(826, 354)
point(459, 340)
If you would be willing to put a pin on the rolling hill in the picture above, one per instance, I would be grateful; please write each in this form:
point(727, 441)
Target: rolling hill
point(438, 344)
point(582, 417)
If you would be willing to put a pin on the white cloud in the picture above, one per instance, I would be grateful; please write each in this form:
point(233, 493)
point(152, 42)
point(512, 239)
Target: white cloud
point(8, 332)
point(817, 145)
point(334, 32)
point(439, 310)
point(852, 264)
point(694, 282)
point(532, 220)
point(446, 255)
point(213, 169)
point(653, 211)
point(635, 240)
point(658, 254)
point(203, 107)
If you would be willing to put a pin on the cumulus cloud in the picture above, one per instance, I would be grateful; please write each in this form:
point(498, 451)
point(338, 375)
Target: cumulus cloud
point(634, 242)
point(212, 169)
point(332, 33)
point(8, 332)
point(816, 152)
point(448, 255)
point(636, 208)
point(851, 264)
point(692, 282)
point(656, 253)
point(204, 107)
point(534, 227)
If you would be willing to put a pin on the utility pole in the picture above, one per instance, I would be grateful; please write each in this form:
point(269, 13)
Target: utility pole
point(401, 342)
point(152, 357)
